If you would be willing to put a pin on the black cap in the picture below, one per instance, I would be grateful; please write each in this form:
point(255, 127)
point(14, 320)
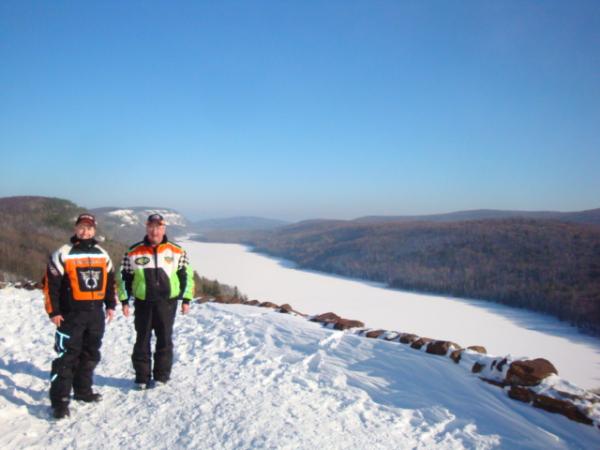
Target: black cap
point(86, 218)
point(155, 218)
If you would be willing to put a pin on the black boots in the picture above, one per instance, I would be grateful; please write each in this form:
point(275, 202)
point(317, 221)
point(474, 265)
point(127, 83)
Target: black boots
point(60, 410)
point(88, 398)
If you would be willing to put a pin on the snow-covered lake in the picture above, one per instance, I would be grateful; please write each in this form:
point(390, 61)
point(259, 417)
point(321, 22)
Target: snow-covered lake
point(502, 330)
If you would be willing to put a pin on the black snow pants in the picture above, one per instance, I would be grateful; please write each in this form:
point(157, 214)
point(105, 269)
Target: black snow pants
point(157, 316)
point(77, 342)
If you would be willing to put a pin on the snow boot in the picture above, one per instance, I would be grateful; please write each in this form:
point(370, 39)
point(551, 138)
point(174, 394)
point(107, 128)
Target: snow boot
point(60, 410)
point(88, 398)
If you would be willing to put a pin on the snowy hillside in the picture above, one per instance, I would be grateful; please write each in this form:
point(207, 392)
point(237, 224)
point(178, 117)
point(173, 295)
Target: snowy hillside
point(247, 377)
point(127, 224)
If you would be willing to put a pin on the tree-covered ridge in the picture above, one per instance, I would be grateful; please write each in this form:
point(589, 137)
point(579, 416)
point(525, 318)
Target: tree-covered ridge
point(542, 265)
point(32, 228)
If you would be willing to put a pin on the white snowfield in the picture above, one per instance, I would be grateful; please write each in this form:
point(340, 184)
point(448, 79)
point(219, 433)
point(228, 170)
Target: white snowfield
point(248, 377)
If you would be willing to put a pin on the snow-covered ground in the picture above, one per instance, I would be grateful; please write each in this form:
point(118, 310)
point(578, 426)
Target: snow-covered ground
point(247, 377)
point(502, 330)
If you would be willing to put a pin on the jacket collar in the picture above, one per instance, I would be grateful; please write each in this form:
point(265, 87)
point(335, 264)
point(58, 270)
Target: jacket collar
point(83, 243)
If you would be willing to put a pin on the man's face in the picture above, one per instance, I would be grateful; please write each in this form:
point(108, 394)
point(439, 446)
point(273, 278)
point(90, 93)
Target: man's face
point(155, 233)
point(85, 231)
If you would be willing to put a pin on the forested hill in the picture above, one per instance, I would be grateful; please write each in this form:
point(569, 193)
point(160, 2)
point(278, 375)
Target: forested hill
point(542, 265)
point(33, 227)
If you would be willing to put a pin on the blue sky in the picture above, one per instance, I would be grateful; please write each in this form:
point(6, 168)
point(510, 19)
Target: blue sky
point(302, 109)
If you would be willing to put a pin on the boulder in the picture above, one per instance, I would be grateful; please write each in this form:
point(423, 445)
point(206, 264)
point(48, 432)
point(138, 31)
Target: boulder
point(344, 324)
point(407, 338)
point(252, 302)
point(374, 334)
point(456, 355)
point(327, 317)
point(477, 367)
point(420, 342)
point(478, 349)
point(440, 347)
point(520, 393)
point(286, 309)
point(529, 372)
point(268, 305)
point(561, 407)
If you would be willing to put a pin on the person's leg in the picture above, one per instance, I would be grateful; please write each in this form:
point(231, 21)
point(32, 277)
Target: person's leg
point(67, 343)
point(163, 326)
point(89, 357)
point(141, 349)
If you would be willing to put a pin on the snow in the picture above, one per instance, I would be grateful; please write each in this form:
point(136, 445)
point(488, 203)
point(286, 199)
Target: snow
point(132, 217)
point(501, 329)
point(127, 216)
point(247, 377)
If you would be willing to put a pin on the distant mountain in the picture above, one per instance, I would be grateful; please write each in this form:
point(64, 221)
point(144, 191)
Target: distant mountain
point(128, 224)
point(591, 216)
point(31, 228)
point(238, 223)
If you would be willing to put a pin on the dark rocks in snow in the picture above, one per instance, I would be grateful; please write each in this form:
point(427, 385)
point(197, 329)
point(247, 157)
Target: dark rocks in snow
point(456, 355)
point(520, 393)
point(327, 317)
point(268, 305)
point(563, 407)
point(345, 324)
point(478, 349)
point(408, 338)
point(529, 372)
point(441, 347)
point(336, 321)
point(477, 367)
point(374, 334)
point(421, 342)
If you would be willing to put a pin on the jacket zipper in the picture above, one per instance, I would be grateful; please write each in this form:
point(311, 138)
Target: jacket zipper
point(155, 250)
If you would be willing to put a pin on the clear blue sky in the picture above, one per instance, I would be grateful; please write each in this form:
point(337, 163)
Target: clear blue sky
point(302, 109)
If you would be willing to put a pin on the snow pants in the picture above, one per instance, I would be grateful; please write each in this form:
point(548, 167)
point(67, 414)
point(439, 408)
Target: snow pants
point(157, 316)
point(77, 342)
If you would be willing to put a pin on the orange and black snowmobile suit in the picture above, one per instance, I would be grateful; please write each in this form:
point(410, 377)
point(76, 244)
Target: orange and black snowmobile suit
point(79, 282)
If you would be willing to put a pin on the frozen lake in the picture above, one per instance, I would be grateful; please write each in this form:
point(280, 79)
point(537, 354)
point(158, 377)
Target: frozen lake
point(501, 329)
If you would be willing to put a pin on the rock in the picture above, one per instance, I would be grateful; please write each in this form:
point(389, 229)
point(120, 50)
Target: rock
point(477, 367)
point(327, 317)
point(374, 334)
point(478, 349)
point(529, 372)
point(344, 324)
point(253, 302)
point(268, 305)
point(407, 338)
point(456, 355)
point(520, 393)
point(420, 342)
point(286, 309)
point(440, 347)
point(561, 407)
point(393, 337)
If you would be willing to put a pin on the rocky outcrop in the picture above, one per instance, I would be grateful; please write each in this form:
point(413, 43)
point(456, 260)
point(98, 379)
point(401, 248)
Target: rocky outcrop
point(529, 372)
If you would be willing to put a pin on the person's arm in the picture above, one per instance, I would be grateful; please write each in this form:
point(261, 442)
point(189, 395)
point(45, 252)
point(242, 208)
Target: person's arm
point(124, 283)
point(53, 278)
point(186, 282)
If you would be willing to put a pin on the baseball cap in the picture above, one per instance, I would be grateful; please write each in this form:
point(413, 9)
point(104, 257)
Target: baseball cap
point(155, 218)
point(86, 218)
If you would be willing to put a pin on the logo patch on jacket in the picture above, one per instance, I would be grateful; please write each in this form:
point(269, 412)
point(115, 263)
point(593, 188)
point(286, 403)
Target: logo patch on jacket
point(168, 259)
point(142, 260)
point(90, 279)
